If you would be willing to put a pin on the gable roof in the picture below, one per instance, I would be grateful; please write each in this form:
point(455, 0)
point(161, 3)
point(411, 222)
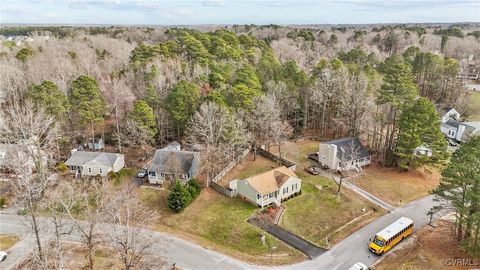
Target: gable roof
point(452, 123)
point(172, 161)
point(270, 181)
point(444, 109)
point(172, 146)
point(80, 158)
point(343, 144)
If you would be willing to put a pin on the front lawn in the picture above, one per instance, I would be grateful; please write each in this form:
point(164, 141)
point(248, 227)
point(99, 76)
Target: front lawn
point(318, 214)
point(219, 222)
point(397, 187)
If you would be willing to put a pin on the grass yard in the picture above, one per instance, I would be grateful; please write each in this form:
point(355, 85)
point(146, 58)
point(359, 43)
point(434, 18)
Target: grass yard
point(427, 249)
point(248, 167)
point(219, 223)
point(474, 106)
point(7, 241)
point(318, 214)
point(396, 187)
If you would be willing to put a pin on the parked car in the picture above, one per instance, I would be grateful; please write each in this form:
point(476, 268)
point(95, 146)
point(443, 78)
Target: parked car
point(142, 174)
point(312, 170)
point(313, 156)
point(359, 266)
point(3, 256)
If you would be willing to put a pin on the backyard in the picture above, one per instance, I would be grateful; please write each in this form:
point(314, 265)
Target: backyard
point(397, 187)
point(318, 215)
point(219, 223)
point(248, 167)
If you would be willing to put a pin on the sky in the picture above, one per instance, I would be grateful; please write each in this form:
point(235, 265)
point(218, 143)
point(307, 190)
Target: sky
point(188, 12)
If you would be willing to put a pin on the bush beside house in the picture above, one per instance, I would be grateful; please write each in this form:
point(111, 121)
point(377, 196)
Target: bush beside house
point(181, 196)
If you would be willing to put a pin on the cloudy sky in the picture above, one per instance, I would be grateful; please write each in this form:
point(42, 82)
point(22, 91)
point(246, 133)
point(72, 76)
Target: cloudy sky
point(184, 12)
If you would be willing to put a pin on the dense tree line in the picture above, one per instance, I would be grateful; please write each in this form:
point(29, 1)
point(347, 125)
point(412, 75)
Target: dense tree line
point(160, 91)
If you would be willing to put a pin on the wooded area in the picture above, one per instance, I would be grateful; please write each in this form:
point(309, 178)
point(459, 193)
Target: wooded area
point(221, 91)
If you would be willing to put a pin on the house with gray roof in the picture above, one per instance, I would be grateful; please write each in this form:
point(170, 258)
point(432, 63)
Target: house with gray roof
point(343, 154)
point(83, 163)
point(447, 112)
point(171, 163)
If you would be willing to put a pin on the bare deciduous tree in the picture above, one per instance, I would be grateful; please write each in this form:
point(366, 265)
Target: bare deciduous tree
point(32, 134)
point(221, 136)
point(86, 214)
point(128, 218)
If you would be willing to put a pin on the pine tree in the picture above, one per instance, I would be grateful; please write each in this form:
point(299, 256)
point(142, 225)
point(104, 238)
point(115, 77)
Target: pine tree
point(143, 116)
point(419, 125)
point(87, 101)
point(460, 189)
point(178, 198)
point(48, 96)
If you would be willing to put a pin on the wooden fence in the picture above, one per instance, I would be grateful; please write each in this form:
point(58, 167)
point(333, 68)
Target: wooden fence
point(292, 166)
point(230, 166)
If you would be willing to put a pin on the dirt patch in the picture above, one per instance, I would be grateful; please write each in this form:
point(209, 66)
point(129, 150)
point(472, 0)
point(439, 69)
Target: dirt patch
point(430, 248)
point(397, 187)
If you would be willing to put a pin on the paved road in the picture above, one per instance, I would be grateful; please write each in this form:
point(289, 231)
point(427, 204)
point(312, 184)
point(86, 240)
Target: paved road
point(191, 256)
point(354, 248)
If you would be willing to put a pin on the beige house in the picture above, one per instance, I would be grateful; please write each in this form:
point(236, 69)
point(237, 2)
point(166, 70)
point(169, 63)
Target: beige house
point(83, 163)
point(270, 187)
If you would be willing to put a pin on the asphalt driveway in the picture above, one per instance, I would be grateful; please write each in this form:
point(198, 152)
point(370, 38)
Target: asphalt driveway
point(293, 240)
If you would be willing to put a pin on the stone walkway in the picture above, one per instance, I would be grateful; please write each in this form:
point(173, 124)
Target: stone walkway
point(295, 241)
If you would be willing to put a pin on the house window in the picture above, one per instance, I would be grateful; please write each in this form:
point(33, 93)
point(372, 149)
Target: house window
point(101, 170)
point(270, 195)
point(89, 170)
point(259, 196)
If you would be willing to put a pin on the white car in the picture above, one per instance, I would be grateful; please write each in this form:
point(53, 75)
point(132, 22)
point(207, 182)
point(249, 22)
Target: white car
point(3, 255)
point(359, 266)
point(142, 174)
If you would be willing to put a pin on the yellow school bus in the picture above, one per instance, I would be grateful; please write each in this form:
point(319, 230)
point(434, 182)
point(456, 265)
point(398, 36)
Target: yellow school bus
point(390, 236)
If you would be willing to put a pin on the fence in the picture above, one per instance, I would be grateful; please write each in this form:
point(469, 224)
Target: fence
point(229, 166)
point(223, 190)
point(292, 166)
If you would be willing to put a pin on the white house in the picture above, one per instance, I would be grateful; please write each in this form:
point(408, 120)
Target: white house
point(271, 187)
point(83, 163)
point(460, 131)
point(171, 163)
point(343, 154)
point(447, 113)
point(423, 150)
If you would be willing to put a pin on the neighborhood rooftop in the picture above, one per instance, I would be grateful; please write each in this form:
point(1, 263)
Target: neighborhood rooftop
point(345, 142)
point(166, 160)
point(80, 158)
point(270, 181)
point(452, 123)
